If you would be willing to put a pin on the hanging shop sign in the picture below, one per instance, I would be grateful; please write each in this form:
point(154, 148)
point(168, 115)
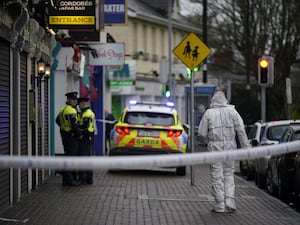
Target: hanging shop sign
point(124, 75)
point(115, 12)
point(107, 54)
point(71, 14)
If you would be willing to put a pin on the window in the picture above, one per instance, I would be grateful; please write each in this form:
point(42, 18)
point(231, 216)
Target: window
point(296, 136)
point(286, 136)
point(252, 132)
point(149, 118)
point(275, 132)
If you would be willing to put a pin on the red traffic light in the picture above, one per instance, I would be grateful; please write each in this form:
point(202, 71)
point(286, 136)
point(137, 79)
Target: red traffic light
point(264, 63)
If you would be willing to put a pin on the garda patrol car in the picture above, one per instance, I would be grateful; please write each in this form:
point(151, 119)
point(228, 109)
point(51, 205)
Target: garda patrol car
point(149, 128)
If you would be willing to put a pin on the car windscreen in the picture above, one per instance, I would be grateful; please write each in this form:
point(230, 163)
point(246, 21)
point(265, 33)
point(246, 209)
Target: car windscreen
point(149, 118)
point(275, 132)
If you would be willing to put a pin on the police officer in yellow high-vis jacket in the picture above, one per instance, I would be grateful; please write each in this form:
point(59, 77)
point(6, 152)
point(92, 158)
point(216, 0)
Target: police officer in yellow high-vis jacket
point(67, 120)
point(87, 125)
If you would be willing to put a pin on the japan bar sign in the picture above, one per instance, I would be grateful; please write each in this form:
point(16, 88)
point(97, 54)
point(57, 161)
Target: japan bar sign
point(71, 14)
point(107, 54)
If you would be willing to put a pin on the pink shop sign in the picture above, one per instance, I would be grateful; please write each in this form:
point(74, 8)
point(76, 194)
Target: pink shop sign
point(107, 54)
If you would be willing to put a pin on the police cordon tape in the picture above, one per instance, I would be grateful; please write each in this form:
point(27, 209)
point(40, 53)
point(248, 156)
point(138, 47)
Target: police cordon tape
point(145, 161)
point(106, 121)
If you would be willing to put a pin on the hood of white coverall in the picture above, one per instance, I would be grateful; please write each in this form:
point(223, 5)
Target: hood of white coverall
point(218, 100)
point(220, 124)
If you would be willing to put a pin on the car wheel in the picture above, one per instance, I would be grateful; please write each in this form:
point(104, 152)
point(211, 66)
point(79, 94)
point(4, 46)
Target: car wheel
point(297, 190)
point(180, 171)
point(282, 190)
point(269, 183)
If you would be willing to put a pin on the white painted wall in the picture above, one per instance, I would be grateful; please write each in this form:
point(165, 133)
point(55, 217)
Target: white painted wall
point(63, 83)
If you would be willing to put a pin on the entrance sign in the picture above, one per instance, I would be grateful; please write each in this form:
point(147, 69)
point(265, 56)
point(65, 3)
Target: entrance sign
point(70, 14)
point(191, 51)
point(108, 54)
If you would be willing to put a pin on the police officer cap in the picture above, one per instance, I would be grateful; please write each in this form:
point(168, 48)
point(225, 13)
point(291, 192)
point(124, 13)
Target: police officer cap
point(72, 95)
point(82, 100)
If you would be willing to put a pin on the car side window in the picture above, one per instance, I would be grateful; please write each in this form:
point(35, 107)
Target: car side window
point(262, 131)
point(286, 136)
point(296, 136)
point(275, 132)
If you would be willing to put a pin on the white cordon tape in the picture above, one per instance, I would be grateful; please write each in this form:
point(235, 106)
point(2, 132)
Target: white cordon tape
point(105, 121)
point(146, 161)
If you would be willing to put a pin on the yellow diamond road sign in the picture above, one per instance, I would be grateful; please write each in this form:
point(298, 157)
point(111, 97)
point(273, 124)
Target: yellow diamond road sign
point(191, 51)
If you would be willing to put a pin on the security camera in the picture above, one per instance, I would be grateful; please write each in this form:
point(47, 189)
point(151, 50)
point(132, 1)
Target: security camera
point(141, 52)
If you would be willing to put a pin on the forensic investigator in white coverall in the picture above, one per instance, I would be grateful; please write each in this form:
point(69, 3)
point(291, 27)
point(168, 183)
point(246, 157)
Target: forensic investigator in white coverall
point(219, 126)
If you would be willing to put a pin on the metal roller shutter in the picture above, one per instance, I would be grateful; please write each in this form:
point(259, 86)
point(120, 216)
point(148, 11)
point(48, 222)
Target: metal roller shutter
point(46, 122)
point(33, 86)
point(40, 128)
point(23, 119)
point(4, 121)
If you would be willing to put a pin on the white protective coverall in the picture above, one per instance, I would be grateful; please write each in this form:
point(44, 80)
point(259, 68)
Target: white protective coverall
point(218, 128)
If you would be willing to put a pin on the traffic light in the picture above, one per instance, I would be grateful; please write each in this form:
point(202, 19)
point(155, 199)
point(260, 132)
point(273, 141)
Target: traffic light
point(189, 72)
point(167, 92)
point(265, 71)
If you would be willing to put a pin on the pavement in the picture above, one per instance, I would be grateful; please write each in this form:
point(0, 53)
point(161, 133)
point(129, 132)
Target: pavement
point(145, 198)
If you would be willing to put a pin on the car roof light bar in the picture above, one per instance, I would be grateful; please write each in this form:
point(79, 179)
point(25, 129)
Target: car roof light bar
point(135, 102)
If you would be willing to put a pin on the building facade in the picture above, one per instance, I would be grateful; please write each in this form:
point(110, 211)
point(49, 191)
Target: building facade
point(24, 98)
point(148, 46)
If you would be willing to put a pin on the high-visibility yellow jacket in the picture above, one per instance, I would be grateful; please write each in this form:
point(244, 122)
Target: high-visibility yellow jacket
point(67, 120)
point(87, 122)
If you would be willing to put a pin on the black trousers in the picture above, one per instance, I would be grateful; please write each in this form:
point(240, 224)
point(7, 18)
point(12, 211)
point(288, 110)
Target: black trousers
point(85, 148)
point(70, 145)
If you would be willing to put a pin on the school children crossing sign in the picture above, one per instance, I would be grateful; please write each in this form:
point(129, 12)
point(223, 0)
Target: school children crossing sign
point(191, 51)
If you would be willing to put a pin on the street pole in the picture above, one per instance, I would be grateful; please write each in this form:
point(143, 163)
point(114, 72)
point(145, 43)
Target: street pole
point(101, 16)
point(248, 87)
point(170, 49)
point(263, 103)
point(204, 21)
point(288, 87)
point(102, 30)
point(192, 132)
point(248, 48)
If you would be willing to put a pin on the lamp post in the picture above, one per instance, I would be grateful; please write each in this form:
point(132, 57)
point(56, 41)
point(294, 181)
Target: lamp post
point(43, 70)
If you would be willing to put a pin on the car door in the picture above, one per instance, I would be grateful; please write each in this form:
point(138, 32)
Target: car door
point(276, 159)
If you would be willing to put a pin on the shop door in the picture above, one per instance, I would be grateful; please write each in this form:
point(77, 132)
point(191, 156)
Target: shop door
point(4, 121)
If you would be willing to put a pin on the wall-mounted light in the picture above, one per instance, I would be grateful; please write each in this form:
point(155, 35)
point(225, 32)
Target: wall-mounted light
point(47, 70)
point(41, 65)
point(43, 69)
